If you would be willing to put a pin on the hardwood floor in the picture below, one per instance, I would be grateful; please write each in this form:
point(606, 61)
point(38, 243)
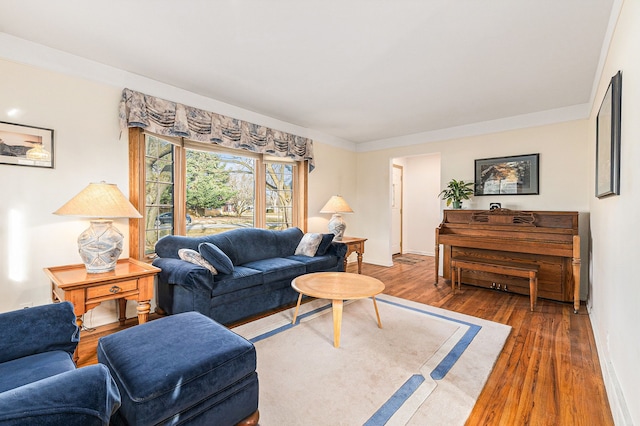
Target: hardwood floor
point(547, 374)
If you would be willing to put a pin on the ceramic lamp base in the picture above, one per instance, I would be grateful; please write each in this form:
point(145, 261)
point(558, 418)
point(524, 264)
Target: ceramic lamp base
point(100, 246)
point(337, 225)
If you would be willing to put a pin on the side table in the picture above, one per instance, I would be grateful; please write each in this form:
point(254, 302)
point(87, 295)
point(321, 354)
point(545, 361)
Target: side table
point(131, 280)
point(354, 244)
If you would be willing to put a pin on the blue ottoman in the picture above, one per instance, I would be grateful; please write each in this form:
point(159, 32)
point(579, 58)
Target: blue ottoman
point(182, 369)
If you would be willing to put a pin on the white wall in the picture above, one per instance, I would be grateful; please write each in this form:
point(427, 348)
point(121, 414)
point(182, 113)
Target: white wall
point(87, 149)
point(615, 300)
point(334, 175)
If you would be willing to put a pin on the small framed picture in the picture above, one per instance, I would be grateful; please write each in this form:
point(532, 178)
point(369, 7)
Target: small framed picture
point(22, 145)
point(515, 175)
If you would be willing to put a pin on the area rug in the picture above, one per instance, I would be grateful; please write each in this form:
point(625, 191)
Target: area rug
point(424, 366)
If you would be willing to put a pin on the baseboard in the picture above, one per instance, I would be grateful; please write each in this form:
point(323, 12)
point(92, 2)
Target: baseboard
point(422, 253)
point(617, 402)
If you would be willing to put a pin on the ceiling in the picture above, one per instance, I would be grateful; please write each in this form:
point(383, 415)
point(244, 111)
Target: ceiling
point(358, 70)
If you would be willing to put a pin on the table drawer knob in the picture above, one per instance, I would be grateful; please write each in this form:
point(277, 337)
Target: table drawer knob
point(114, 289)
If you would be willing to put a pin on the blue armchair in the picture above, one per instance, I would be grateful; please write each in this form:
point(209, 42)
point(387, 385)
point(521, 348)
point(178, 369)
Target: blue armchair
point(39, 383)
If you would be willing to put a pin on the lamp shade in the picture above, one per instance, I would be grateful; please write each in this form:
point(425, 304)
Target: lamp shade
point(101, 244)
point(99, 200)
point(336, 204)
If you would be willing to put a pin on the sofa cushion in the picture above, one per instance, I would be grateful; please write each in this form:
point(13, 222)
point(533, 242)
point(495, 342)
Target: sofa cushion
point(241, 278)
point(308, 245)
point(316, 263)
point(216, 257)
point(324, 244)
point(32, 368)
point(196, 258)
point(277, 268)
point(176, 363)
point(287, 240)
point(250, 244)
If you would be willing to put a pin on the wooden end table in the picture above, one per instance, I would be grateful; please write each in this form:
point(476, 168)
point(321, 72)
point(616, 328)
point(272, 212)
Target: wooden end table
point(131, 280)
point(337, 286)
point(354, 244)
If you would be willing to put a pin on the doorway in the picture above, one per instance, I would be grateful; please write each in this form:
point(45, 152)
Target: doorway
point(396, 209)
point(414, 185)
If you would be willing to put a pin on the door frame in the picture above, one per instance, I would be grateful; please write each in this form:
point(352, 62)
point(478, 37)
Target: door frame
point(401, 169)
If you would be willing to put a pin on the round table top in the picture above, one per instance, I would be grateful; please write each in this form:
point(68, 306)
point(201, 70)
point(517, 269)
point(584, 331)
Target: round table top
point(337, 285)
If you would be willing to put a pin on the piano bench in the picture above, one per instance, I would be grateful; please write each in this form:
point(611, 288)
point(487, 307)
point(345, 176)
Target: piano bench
point(514, 269)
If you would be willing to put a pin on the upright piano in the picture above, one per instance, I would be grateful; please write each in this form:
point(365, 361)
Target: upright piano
point(547, 239)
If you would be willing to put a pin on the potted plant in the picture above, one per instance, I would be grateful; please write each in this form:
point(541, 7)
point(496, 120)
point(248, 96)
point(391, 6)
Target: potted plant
point(456, 191)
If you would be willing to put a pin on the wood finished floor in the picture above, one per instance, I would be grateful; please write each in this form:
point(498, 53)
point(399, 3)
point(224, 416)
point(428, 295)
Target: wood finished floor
point(547, 374)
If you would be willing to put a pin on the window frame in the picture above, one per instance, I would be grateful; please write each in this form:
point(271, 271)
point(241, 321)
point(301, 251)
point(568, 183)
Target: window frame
point(137, 183)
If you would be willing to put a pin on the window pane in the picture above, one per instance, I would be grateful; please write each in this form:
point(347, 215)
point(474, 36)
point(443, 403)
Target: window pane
point(279, 195)
point(220, 192)
point(158, 191)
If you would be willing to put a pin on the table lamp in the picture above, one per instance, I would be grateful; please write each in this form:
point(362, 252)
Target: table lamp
point(337, 225)
point(101, 244)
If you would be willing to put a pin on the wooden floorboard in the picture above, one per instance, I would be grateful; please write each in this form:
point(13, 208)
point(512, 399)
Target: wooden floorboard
point(547, 374)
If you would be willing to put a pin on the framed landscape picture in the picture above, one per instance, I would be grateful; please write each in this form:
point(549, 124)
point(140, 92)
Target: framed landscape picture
point(515, 175)
point(22, 145)
point(608, 125)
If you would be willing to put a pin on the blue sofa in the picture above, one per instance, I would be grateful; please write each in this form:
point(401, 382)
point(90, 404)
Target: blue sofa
point(262, 266)
point(39, 383)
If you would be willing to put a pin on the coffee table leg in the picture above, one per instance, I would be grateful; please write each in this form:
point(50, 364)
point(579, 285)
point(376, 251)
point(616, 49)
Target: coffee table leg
point(337, 321)
point(295, 313)
point(375, 305)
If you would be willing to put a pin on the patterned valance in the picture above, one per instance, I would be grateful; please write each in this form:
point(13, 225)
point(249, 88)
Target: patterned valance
point(177, 120)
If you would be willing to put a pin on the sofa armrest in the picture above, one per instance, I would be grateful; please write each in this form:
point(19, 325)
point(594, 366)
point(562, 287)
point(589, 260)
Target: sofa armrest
point(338, 249)
point(86, 396)
point(180, 272)
point(39, 329)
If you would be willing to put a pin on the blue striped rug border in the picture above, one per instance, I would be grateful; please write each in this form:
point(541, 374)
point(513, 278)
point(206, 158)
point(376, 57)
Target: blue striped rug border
point(393, 404)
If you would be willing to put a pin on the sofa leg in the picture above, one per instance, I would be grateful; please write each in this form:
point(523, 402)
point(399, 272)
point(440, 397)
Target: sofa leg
point(252, 420)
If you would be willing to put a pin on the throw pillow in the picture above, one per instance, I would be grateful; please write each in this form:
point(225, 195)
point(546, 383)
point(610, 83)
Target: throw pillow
point(216, 257)
point(324, 244)
point(308, 245)
point(194, 257)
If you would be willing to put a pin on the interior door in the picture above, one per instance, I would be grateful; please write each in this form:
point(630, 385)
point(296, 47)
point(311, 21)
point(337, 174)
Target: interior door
point(396, 210)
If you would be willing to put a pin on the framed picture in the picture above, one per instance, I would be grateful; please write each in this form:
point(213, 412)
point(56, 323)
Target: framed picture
point(515, 175)
point(608, 126)
point(22, 145)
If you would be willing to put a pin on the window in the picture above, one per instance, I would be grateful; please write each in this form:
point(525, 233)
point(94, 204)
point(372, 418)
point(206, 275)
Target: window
point(279, 195)
point(159, 188)
point(220, 191)
point(198, 189)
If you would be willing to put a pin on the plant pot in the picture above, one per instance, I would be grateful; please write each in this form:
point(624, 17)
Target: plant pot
point(457, 205)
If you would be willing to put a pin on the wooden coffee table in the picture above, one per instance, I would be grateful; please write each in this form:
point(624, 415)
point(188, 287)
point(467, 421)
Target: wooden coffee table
point(338, 287)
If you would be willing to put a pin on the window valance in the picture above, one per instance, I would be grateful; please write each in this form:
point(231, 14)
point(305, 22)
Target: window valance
point(168, 118)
